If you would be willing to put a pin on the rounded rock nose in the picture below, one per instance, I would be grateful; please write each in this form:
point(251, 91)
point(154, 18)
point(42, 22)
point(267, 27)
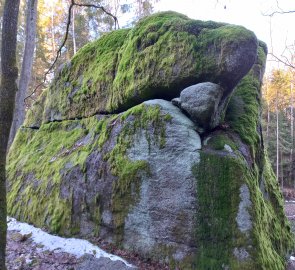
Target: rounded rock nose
point(238, 53)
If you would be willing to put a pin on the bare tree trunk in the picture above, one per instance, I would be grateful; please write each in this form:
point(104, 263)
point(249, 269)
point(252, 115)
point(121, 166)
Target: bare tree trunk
point(25, 76)
point(282, 169)
point(7, 98)
point(268, 118)
point(277, 129)
point(52, 32)
point(73, 31)
point(267, 126)
point(292, 134)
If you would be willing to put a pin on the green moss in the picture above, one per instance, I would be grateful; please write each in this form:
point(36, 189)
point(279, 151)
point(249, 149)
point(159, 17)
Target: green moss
point(38, 157)
point(262, 53)
point(86, 79)
point(243, 112)
point(160, 56)
point(219, 179)
point(272, 231)
point(219, 140)
point(39, 161)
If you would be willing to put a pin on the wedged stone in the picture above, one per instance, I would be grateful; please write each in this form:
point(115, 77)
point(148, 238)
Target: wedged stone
point(203, 103)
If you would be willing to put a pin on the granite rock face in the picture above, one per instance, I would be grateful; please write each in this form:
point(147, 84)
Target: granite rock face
point(146, 176)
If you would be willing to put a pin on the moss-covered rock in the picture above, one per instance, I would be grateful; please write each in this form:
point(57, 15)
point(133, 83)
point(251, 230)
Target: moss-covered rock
point(48, 164)
point(143, 178)
point(244, 108)
point(240, 218)
point(160, 56)
point(34, 116)
point(88, 177)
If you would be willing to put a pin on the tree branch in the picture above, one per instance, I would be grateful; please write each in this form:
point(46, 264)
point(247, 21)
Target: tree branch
point(279, 12)
point(69, 19)
point(287, 63)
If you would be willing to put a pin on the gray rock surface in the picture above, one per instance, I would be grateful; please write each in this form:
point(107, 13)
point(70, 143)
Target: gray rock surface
point(153, 220)
point(89, 262)
point(243, 218)
point(203, 103)
point(161, 214)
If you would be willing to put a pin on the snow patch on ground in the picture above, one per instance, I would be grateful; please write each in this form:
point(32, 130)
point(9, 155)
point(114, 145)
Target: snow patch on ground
point(289, 201)
point(74, 246)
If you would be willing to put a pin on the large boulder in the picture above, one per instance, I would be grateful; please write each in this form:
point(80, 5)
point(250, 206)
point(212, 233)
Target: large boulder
point(144, 179)
point(158, 58)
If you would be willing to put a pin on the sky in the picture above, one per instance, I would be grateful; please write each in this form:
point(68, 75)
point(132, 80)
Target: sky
point(248, 13)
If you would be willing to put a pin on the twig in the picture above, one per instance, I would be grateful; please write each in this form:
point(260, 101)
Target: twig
point(282, 61)
point(279, 12)
point(69, 19)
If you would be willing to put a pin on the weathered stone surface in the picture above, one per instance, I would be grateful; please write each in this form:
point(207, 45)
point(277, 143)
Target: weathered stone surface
point(81, 192)
point(160, 56)
point(203, 103)
point(91, 263)
point(144, 179)
point(243, 218)
point(160, 214)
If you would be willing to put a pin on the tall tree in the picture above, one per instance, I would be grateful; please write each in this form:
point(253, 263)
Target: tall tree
point(27, 63)
point(278, 94)
point(8, 90)
point(292, 132)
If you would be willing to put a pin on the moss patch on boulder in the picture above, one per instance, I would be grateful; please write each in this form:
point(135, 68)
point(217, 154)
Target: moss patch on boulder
point(244, 108)
point(34, 115)
point(219, 179)
point(273, 237)
point(159, 57)
point(40, 160)
point(223, 241)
